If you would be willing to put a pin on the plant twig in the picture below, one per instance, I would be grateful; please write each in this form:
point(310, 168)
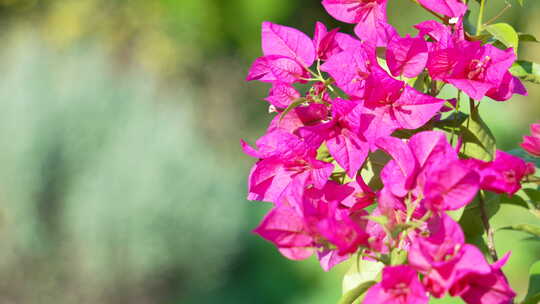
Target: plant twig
point(480, 21)
point(487, 227)
point(508, 5)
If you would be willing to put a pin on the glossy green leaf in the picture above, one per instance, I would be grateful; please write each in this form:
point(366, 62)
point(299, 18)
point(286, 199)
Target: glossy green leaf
point(527, 38)
point(361, 275)
point(504, 33)
point(452, 122)
point(356, 293)
point(456, 214)
point(515, 200)
point(478, 141)
point(533, 294)
point(398, 257)
point(526, 70)
point(470, 220)
point(531, 229)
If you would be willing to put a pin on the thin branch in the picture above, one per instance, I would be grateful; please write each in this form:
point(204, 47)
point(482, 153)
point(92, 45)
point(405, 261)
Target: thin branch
point(508, 5)
point(480, 22)
point(487, 227)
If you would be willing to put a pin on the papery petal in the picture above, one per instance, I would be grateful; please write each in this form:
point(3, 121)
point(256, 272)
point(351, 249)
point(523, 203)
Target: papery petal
point(375, 32)
point(330, 258)
point(355, 11)
point(275, 68)
point(281, 95)
point(502, 175)
point(475, 89)
point(348, 150)
point(414, 109)
point(510, 85)
point(289, 42)
point(407, 56)
point(325, 42)
point(399, 285)
point(450, 8)
point(435, 30)
point(349, 69)
point(286, 229)
point(451, 188)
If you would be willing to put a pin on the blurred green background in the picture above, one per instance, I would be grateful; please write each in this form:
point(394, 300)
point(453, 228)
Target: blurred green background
point(121, 176)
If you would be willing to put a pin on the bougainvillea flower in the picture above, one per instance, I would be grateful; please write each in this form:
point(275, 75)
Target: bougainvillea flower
point(509, 86)
point(287, 42)
point(325, 42)
point(281, 95)
point(287, 165)
point(356, 11)
point(450, 188)
point(531, 144)
point(491, 288)
point(276, 68)
point(349, 69)
point(471, 67)
point(443, 257)
point(377, 35)
point(280, 144)
point(407, 56)
point(399, 285)
point(319, 222)
point(304, 115)
point(504, 174)
point(341, 136)
point(284, 227)
point(391, 104)
point(449, 8)
point(438, 32)
point(429, 167)
point(347, 42)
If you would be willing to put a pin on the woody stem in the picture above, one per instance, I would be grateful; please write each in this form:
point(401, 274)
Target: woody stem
point(487, 227)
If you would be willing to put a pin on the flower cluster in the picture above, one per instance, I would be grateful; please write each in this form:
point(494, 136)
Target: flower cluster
point(352, 164)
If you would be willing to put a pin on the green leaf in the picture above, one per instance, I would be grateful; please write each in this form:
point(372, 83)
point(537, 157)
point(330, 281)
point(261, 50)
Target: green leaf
point(470, 220)
point(520, 2)
point(361, 275)
point(515, 199)
point(398, 257)
point(456, 214)
point(323, 154)
point(478, 141)
point(354, 294)
point(533, 295)
point(291, 107)
point(505, 33)
point(531, 229)
point(376, 162)
point(526, 70)
point(452, 122)
point(527, 38)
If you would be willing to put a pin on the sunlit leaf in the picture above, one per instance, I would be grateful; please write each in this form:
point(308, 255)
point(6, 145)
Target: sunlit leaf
point(533, 295)
point(527, 38)
point(478, 141)
point(531, 229)
point(362, 275)
point(526, 70)
point(470, 219)
point(504, 33)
